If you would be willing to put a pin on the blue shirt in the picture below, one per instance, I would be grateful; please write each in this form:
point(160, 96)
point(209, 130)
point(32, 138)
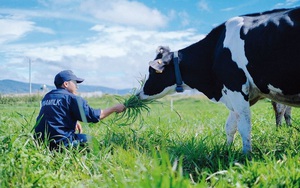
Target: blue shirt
point(60, 111)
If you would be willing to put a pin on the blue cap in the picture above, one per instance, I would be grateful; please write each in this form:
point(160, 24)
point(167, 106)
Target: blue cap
point(64, 76)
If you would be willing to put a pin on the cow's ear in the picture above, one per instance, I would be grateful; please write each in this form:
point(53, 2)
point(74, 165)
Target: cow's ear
point(157, 65)
point(162, 49)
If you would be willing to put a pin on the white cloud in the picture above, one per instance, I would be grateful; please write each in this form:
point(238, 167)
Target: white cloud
point(184, 17)
point(287, 3)
point(131, 13)
point(14, 29)
point(58, 3)
point(291, 2)
point(203, 5)
point(228, 9)
point(115, 56)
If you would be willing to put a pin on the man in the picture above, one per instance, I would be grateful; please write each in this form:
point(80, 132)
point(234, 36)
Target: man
point(61, 110)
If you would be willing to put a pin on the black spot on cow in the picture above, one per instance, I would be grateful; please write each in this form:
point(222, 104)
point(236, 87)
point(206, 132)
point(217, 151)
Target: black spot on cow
point(228, 72)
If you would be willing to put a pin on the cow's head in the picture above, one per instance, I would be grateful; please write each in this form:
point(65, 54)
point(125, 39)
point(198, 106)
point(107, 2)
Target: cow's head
point(161, 80)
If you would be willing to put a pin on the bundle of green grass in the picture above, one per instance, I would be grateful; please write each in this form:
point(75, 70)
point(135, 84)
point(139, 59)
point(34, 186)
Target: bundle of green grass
point(134, 109)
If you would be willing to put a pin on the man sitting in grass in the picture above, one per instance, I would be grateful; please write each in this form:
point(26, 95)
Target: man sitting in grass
point(61, 109)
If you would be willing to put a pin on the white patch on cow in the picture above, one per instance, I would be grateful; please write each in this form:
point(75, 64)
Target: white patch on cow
point(236, 45)
point(231, 98)
point(265, 20)
point(234, 42)
point(276, 21)
point(231, 127)
point(239, 118)
point(167, 91)
point(274, 90)
point(288, 20)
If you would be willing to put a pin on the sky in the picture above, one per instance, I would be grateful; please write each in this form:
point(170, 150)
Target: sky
point(107, 42)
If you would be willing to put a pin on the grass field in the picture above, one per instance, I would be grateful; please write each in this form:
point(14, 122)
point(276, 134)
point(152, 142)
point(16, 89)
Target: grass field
point(182, 146)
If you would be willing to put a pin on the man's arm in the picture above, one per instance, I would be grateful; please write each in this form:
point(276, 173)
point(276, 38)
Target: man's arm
point(117, 108)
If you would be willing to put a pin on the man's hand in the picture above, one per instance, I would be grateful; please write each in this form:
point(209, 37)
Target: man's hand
point(78, 127)
point(119, 108)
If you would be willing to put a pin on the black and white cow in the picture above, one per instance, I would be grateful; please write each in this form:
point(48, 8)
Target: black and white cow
point(237, 63)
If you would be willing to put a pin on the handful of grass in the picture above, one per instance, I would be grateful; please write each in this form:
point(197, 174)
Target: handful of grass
point(134, 108)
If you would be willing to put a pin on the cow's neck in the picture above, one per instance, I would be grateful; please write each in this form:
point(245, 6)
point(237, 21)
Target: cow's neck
point(197, 61)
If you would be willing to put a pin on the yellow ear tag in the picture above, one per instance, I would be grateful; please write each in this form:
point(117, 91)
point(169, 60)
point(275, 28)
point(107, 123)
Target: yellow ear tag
point(159, 61)
point(159, 72)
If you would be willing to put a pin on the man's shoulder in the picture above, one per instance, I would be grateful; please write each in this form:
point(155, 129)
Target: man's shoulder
point(63, 93)
point(59, 93)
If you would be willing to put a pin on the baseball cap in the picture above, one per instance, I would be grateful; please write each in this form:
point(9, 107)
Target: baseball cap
point(66, 75)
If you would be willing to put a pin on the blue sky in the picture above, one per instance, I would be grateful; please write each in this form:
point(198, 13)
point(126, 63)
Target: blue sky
point(107, 42)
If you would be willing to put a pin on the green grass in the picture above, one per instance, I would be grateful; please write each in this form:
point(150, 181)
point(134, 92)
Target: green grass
point(134, 110)
point(182, 146)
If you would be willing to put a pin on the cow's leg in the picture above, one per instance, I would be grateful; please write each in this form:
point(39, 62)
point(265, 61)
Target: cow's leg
point(279, 112)
point(231, 127)
point(244, 126)
point(240, 117)
point(288, 115)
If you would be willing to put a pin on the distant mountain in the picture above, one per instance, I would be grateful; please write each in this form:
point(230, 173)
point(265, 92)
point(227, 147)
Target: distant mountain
point(16, 87)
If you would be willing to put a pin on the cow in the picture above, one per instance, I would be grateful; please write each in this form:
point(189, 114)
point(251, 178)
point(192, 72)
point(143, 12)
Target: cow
point(281, 111)
point(238, 63)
